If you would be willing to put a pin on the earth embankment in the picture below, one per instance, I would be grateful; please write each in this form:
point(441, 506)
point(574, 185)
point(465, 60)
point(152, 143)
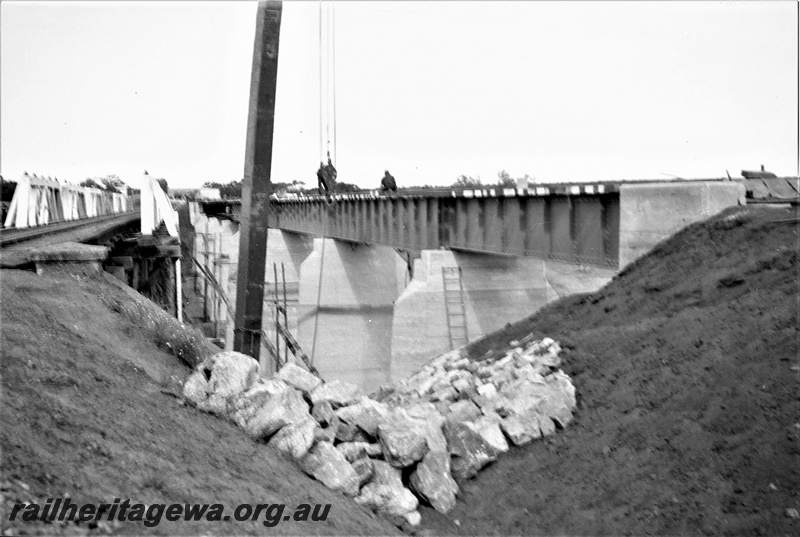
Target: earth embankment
point(687, 371)
point(92, 409)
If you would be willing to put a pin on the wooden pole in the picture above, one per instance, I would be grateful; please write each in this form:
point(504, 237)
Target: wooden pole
point(256, 185)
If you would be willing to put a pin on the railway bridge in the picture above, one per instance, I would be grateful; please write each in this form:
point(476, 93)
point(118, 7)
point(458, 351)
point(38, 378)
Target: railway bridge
point(380, 283)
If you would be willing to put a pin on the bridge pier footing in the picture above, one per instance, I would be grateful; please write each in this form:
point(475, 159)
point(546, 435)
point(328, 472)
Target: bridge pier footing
point(347, 295)
point(496, 290)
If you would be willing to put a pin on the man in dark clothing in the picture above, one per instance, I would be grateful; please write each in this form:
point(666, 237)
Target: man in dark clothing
point(388, 183)
point(326, 177)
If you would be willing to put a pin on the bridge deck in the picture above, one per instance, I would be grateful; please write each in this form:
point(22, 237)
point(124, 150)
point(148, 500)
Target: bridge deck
point(572, 223)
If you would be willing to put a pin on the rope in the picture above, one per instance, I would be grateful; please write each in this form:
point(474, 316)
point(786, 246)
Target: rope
point(327, 81)
point(333, 62)
point(320, 82)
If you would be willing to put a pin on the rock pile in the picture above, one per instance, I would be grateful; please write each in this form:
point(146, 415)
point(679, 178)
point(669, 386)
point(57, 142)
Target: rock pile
point(413, 441)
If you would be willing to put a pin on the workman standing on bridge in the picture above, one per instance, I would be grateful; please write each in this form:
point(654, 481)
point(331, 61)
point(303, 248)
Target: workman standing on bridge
point(326, 176)
point(388, 183)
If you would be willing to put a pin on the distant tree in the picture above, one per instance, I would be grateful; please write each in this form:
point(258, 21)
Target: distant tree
point(91, 183)
point(504, 179)
point(232, 190)
point(113, 183)
point(465, 181)
point(296, 186)
point(346, 187)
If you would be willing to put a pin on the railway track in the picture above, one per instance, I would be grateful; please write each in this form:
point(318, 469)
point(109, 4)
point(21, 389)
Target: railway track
point(13, 236)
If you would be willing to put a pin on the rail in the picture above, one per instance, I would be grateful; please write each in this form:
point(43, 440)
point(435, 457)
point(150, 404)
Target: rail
point(12, 235)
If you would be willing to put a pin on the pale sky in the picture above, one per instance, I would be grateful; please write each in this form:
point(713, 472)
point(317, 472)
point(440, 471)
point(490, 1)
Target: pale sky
point(561, 91)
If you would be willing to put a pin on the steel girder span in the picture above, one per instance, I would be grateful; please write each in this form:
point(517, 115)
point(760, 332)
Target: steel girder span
point(578, 225)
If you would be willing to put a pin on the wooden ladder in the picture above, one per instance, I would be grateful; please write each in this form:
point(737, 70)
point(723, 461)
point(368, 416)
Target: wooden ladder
point(454, 306)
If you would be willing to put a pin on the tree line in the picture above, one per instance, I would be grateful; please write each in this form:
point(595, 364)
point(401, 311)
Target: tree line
point(233, 189)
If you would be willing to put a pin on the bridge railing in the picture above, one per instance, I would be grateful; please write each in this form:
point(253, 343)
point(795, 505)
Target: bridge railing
point(39, 201)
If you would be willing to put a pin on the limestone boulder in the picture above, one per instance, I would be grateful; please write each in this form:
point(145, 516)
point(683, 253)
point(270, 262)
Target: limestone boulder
point(296, 439)
point(365, 468)
point(326, 464)
point(353, 451)
point(336, 392)
point(432, 481)
point(463, 410)
point(367, 414)
point(195, 389)
point(325, 434)
point(426, 417)
point(386, 474)
point(323, 413)
point(262, 414)
point(386, 494)
point(560, 381)
point(488, 427)
point(446, 393)
point(403, 443)
point(487, 391)
point(227, 375)
point(520, 431)
point(344, 431)
point(462, 384)
point(298, 378)
point(470, 452)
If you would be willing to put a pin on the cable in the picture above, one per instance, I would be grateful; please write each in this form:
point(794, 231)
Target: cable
point(333, 58)
point(320, 81)
point(328, 81)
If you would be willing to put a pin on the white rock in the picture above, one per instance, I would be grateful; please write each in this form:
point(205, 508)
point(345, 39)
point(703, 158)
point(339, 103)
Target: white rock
point(413, 519)
point(487, 391)
point(336, 392)
point(385, 493)
point(297, 377)
point(353, 451)
point(365, 468)
point(470, 451)
point(462, 384)
point(434, 483)
point(228, 375)
point(463, 410)
point(403, 444)
point(519, 431)
point(326, 464)
point(366, 414)
point(262, 414)
point(296, 439)
point(488, 426)
point(386, 474)
point(195, 389)
point(427, 418)
point(323, 413)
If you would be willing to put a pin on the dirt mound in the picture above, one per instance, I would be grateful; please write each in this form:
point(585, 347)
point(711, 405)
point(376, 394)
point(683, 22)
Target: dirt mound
point(687, 373)
point(91, 409)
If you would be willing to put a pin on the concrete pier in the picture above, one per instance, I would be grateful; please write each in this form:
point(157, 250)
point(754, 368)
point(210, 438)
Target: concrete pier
point(496, 290)
point(353, 309)
point(347, 295)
